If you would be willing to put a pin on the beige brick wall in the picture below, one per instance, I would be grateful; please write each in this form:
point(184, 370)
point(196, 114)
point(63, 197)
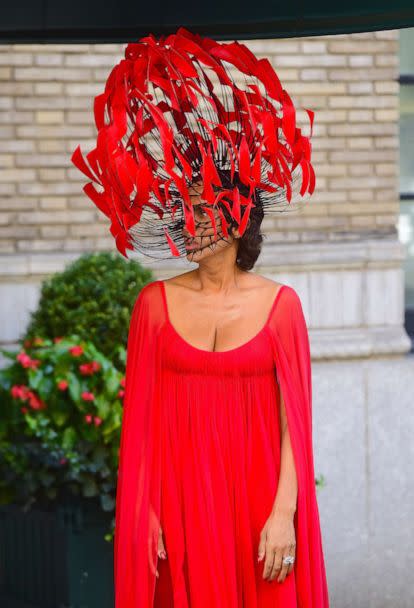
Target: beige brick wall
point(46, 101)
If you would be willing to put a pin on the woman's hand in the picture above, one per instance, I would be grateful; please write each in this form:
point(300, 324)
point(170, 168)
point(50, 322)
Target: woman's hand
point(277, 540)
point(160, 549)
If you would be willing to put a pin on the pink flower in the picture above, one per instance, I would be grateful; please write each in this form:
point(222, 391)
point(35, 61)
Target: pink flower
point(76, 351)
point(62, 385)
point(121, 393)
point(86, 396)
point(88, 418)
point(63, 461)
point(122, 382)
point(97, 421)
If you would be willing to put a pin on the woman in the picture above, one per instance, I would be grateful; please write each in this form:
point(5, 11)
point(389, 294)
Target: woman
point(216, 499)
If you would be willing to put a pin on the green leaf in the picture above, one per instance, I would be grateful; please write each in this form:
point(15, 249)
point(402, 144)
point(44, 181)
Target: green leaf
point(69, 438)
point(112, 385)
point(74, 387)
point(60, 417)
point(9, 354)
point(103, 406)
point(35, 378)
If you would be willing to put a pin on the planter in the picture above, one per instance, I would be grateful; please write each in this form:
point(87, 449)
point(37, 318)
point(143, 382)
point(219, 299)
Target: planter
point(56, 557)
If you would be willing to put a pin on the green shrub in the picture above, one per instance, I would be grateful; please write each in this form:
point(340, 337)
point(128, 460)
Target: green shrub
point(61, 420)
point(92, 298)
point(61, 396)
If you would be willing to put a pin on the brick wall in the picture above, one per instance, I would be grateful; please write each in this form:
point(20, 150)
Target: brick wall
point(46, 106)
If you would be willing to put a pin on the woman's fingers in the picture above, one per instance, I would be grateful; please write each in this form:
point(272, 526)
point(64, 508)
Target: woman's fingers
point(271, 562)
point(277, 563)
point(151, 558)
point(161, 548)
point(286, 568)
point(274, 565)
point(283, 570)
point(262, 546)
point(292, 550)
point(274, 549)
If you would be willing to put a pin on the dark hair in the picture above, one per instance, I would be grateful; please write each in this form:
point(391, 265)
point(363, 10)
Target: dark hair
point(250, 243)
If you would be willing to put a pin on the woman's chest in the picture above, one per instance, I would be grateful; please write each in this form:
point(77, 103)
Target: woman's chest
point(252, 358)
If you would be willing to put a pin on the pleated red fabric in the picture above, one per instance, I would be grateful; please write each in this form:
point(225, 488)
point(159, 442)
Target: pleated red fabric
point(200, 456)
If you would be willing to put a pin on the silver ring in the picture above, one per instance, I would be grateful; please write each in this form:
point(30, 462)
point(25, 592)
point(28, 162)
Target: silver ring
point(289, 559)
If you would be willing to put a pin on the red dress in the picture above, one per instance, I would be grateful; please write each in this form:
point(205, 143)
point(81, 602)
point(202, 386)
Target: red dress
point(200, 456)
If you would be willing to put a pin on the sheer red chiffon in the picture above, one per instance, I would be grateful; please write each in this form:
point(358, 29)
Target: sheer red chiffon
point(200, 456)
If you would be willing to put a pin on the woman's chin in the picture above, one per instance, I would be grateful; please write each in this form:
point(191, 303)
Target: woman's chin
point(202, 251)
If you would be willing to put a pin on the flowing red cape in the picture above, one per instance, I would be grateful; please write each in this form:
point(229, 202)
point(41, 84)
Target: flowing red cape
point(138, 490)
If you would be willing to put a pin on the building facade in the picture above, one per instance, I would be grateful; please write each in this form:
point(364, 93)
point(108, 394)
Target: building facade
point(342, 252)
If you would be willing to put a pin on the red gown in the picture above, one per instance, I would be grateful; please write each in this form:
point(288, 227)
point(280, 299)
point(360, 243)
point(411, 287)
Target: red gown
point(200, 456)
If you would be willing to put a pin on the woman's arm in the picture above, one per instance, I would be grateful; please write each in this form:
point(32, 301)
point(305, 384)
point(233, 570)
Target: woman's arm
point(287, 490)
point(278, 538)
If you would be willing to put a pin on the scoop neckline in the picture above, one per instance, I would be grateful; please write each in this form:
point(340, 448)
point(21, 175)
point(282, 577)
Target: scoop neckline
point(218, 352)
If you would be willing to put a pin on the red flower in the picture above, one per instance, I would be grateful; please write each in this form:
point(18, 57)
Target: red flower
point(19, 391)
point(24, 410)
point(76, 351)
point(87, 369)
point(27, 361)
point(63, 385)
point(88, 418)
point(86, 396)
point(63, 461)
point(97, 420)
point(36, 403)
point(24, 393)
point(122, 382)
point(57, 340)
point(121, 393)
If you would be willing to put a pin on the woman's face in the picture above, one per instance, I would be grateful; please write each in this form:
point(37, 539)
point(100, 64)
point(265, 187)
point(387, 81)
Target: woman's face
point(204, 243)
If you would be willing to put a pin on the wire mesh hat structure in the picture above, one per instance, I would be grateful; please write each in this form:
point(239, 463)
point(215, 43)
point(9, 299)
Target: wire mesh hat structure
point(184, 109)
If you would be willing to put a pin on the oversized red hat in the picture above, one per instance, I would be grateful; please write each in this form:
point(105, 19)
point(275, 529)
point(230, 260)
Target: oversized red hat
point(184, 108)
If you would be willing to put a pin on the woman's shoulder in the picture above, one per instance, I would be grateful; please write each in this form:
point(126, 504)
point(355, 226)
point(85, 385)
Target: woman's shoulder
point(287, 293)
point(148, 296)
point(150, 289)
